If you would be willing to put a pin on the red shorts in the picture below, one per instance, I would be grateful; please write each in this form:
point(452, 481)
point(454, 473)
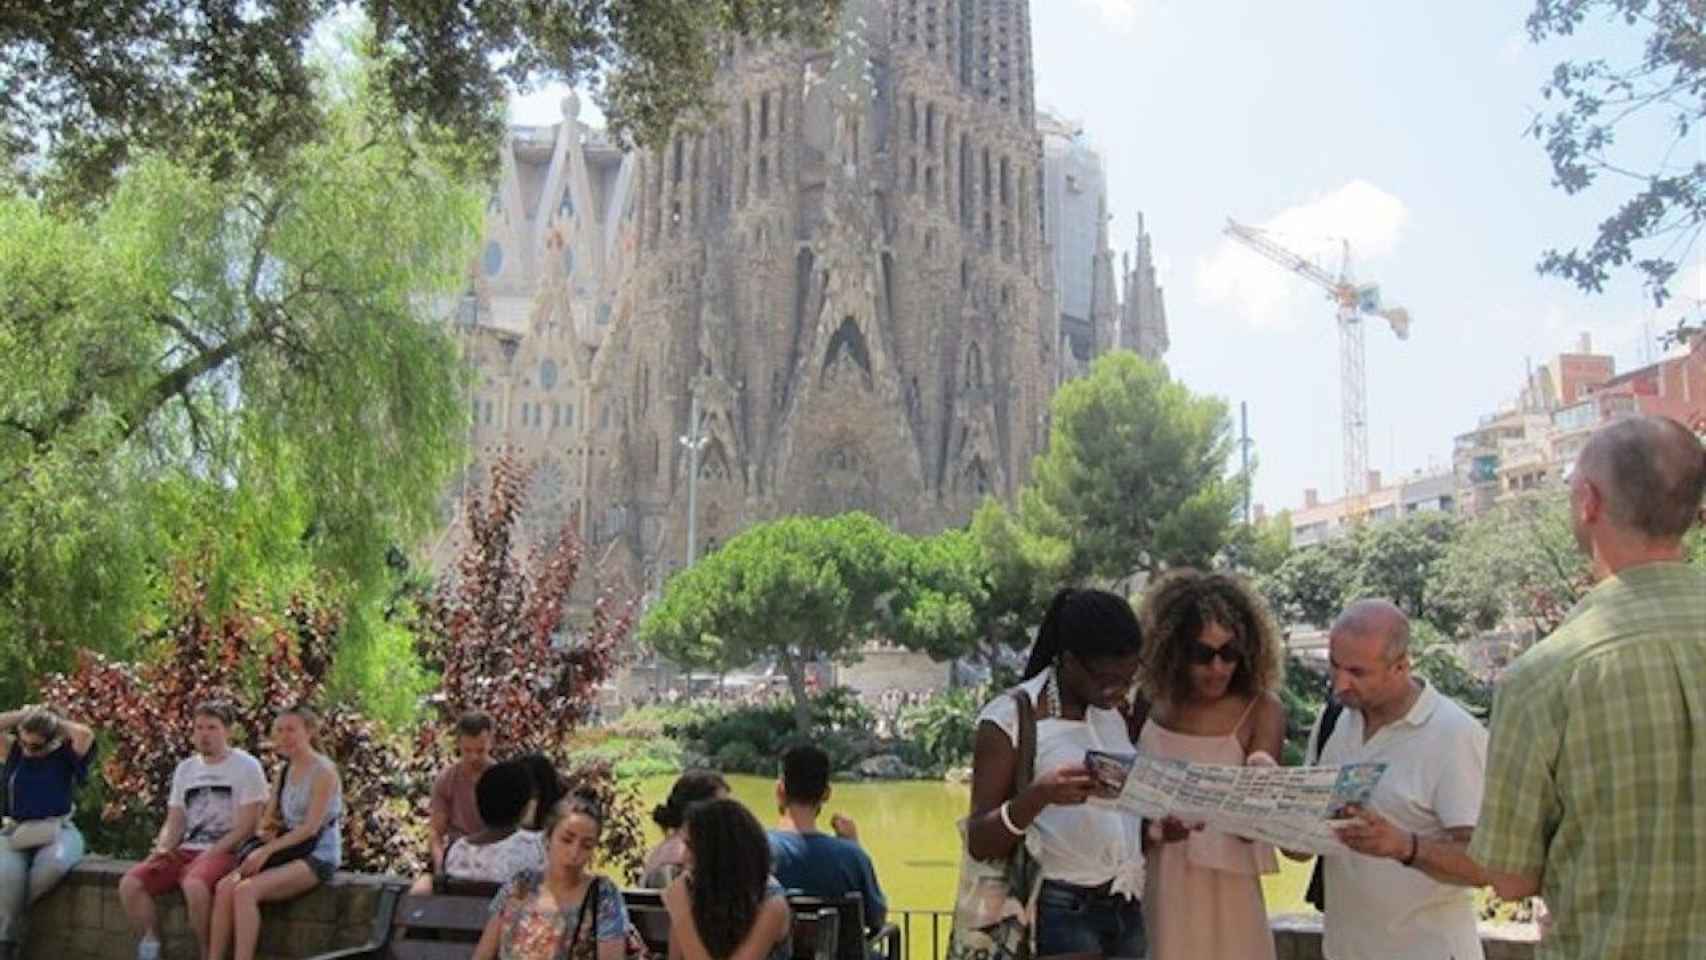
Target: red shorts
point(163, 872)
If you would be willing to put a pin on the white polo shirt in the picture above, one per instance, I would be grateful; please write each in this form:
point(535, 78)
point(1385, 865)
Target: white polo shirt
point(1379, 909)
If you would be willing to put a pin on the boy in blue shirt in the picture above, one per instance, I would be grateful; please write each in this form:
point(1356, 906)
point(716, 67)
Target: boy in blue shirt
point(808, 861)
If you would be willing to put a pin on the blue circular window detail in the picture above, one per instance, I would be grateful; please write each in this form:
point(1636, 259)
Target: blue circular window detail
point(548, 374)
point(494, 258)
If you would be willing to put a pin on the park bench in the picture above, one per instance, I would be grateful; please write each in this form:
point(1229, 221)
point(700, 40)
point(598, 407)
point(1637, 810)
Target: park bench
point(816, 933)
point(447, 925)
point(855, 943)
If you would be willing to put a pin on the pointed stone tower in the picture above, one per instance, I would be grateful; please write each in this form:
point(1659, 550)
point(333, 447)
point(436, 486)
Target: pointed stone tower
point(846, 267)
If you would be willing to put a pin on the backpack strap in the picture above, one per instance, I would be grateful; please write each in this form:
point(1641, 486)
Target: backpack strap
point(1324, 730)
point(1316, 895)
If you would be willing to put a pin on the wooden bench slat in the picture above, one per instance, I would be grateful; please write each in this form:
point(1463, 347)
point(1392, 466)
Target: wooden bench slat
point(430, 950)
point(443, 913)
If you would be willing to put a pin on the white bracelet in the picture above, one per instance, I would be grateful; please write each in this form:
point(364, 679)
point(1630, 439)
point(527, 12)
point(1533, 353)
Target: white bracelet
point(1007, 821)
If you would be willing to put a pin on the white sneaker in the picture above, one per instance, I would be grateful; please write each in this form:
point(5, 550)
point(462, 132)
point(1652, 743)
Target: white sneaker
point(148, 949)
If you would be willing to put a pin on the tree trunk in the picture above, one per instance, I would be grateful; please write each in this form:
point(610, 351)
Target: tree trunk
point(795, 671)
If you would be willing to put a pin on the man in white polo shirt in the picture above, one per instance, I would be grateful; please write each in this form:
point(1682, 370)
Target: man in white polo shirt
point(1402, 895)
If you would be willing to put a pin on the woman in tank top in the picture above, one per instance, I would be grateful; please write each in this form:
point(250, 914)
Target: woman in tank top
point(301, 840)
point(1078, 680)
point(1214, 665)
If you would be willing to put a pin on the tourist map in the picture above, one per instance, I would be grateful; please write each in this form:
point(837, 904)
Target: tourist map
point(1290, 807)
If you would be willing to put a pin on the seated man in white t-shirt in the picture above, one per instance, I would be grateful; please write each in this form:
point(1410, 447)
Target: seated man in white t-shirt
point(216, 800)
point(1401, 894)
point(502, 849)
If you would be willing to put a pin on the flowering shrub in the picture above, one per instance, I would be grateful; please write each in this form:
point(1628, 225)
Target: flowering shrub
point(496, 630)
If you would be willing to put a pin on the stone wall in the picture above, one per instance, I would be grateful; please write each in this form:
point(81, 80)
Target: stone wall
point(82, 918)
point(1298, 937)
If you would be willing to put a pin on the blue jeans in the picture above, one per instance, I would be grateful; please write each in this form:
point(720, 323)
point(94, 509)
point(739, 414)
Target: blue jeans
point(1073, 919)
point(27, 875)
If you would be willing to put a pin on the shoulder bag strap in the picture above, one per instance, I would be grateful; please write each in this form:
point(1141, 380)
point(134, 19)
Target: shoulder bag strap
point(589, 909)
point(1135, 717)
point(1025, 768)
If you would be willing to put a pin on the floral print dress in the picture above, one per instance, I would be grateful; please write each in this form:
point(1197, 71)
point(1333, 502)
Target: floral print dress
point(531, 931)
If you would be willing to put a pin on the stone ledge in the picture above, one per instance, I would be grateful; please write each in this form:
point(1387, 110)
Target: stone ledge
point(1297, 936)
point(82, 918)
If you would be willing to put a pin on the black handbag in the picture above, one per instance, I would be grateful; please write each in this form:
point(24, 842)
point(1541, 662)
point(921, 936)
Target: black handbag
point(289, 854)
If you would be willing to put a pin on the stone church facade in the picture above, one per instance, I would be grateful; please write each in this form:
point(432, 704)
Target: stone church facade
point(840, 286)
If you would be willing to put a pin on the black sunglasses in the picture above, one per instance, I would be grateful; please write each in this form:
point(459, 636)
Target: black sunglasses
point(1202, 654)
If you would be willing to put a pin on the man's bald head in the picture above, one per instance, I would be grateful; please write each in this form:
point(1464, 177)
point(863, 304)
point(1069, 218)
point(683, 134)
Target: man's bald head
point(1651, 473)
point(1377, 618)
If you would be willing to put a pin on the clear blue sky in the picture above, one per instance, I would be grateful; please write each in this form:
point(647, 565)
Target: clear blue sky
point(1398, 125)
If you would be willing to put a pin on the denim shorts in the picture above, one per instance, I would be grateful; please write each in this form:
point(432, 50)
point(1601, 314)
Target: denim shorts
point(1074, 919)
point(322, 869)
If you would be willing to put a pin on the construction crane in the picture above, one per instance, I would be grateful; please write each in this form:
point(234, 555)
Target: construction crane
point(1354, 301)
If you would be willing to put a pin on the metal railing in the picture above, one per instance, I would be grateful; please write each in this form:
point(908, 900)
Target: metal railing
point(923, 933)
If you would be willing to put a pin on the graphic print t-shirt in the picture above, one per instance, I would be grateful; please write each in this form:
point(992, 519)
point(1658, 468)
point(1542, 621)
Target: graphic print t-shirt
point(211, 793)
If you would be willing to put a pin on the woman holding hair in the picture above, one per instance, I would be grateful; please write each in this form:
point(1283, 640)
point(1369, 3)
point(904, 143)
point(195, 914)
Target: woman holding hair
point(566, 912)
point(300, 842)
point(669, 857)
point(502, 850)
point(1077, 682)
point(47, 758)
point(725, 905)
point(1215, 663)
point(548, 790)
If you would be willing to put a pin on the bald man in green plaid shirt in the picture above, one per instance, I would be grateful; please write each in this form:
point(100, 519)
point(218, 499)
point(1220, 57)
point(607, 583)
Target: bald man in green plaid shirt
point(1596, 773)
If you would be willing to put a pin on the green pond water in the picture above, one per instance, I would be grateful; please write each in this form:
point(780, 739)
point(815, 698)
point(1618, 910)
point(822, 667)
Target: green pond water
point(910, 830)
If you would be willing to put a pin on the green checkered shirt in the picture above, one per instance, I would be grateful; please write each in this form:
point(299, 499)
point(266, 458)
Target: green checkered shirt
point(1596, 773)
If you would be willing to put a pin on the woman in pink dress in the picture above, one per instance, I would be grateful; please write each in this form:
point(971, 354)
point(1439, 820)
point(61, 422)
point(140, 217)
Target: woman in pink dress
point(1210, 682)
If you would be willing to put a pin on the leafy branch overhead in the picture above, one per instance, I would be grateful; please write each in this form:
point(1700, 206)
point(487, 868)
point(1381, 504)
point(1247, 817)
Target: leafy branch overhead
point(1631, 124)
point(230, 87)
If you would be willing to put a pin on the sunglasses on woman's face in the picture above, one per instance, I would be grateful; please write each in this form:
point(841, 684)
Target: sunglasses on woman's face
point(1202, 654)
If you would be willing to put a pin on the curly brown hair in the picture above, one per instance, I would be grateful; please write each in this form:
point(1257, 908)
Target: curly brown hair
point(1177, 607)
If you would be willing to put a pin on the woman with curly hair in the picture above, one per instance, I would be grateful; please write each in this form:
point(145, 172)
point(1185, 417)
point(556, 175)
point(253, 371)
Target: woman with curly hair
point(726, 906)
point(1214, 666)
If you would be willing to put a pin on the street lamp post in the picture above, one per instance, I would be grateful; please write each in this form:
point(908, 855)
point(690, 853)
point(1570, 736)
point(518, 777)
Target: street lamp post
point(694, 442)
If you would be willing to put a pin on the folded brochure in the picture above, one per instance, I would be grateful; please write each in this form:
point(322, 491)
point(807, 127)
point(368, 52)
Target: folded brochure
point(1289, 807)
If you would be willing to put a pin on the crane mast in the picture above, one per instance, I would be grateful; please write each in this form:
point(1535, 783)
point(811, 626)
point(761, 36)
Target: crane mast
point(1352, 302)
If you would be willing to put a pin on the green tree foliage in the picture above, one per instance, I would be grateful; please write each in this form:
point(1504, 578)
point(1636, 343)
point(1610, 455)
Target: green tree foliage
point(944, 728)
point(1607, 109)
point(1259, 548)
point(1398, 559)
point(798, 590)
point(1310, 586)
point(1135, 470)
point(245, 372)
point(976, 592)
point(228, 89)
point(1518, 562)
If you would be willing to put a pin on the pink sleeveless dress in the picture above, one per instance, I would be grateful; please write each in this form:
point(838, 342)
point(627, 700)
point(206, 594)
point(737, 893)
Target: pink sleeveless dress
point(1203, 895)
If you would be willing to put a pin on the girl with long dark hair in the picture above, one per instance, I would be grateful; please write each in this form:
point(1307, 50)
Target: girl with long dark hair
point(1077, 687)
point(726, 906)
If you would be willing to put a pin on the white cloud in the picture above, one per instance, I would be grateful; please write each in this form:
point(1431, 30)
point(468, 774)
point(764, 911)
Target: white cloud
point(1269, 296)
point(1122, 15)
point(1514, 47)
